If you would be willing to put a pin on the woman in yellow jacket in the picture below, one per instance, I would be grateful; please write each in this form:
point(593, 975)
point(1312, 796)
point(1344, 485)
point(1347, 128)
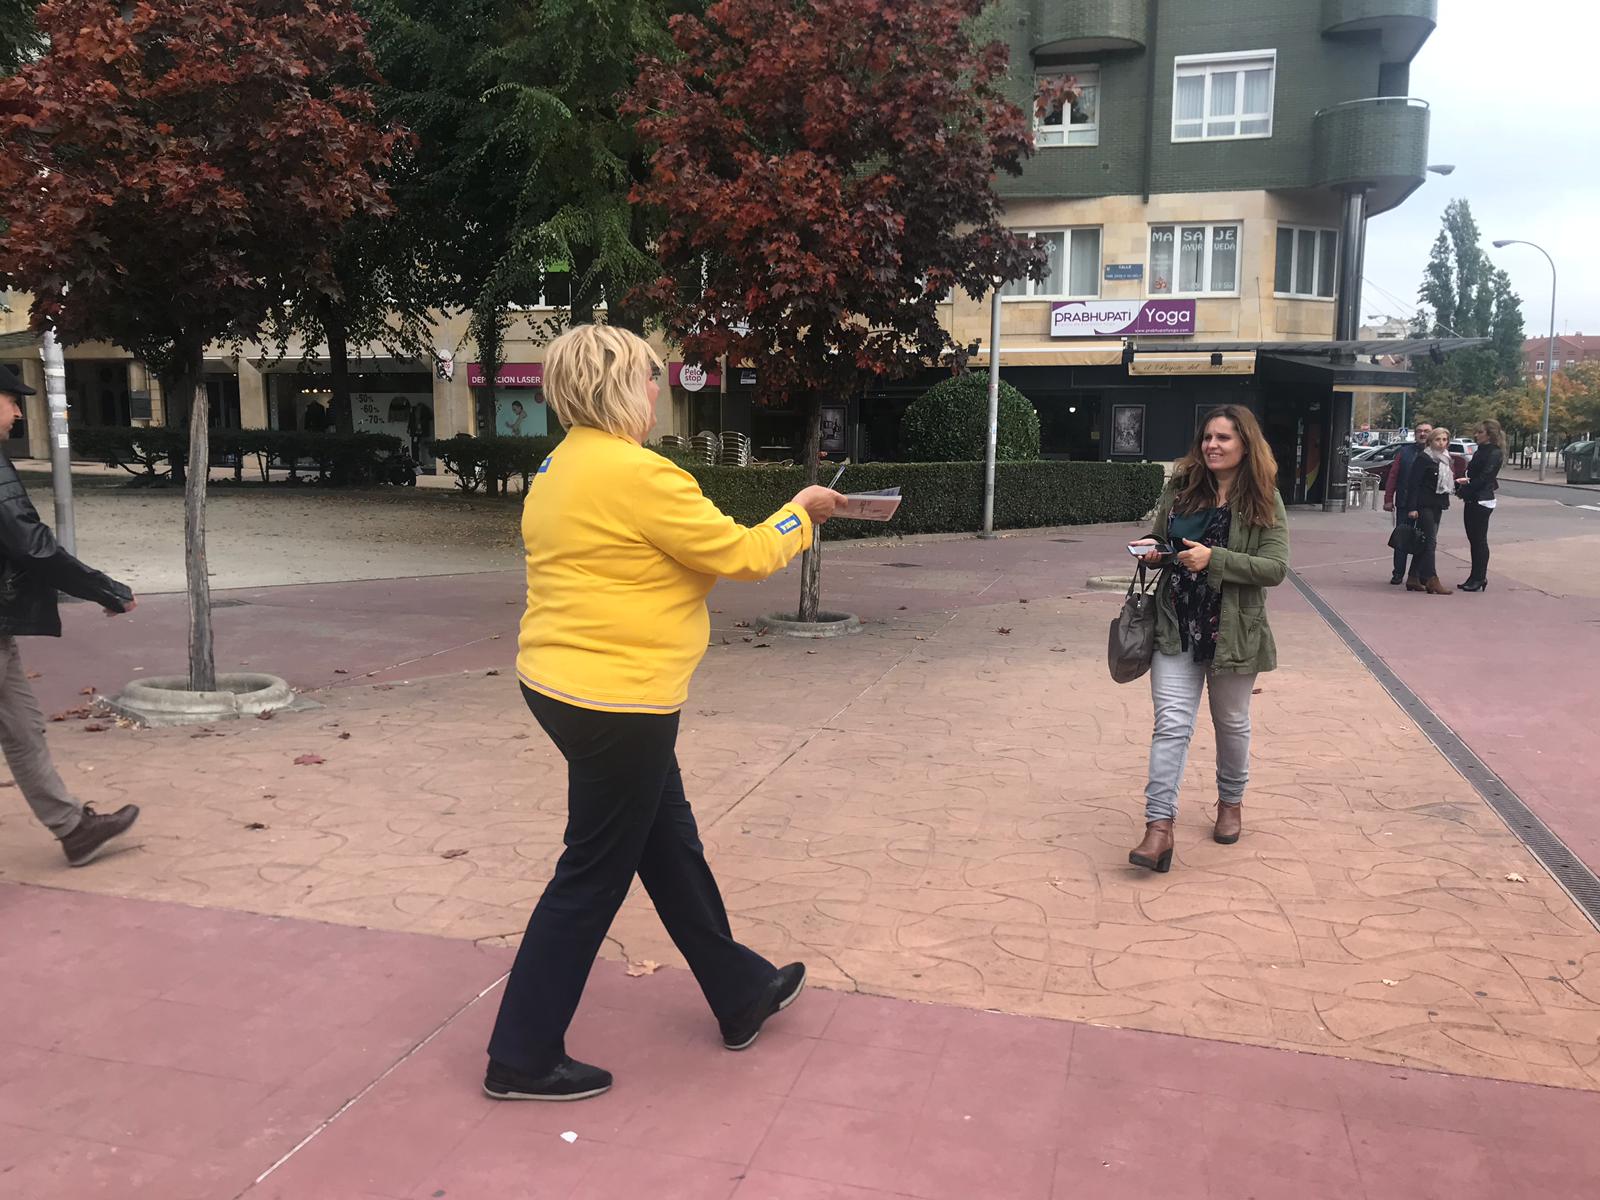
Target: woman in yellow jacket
point(622, 550)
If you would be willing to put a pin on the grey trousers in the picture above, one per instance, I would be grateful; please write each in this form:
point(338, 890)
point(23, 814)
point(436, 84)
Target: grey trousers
point(27, 753)
point(1176, 682)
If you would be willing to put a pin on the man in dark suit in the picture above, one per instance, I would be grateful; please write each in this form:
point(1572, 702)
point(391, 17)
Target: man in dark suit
point(1398, 482)
point(33, 568)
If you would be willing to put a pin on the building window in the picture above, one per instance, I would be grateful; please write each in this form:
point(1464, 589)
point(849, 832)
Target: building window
point(1194, 260)
point(1072, 266)
point(1223, 96)
point(1307, 262)
point(1539, 366)
point(1060, 120)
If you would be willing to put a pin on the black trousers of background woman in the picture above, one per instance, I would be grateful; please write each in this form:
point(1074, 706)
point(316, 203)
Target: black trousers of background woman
point(1424, 563)
point(1476, 518)
point(626, 813)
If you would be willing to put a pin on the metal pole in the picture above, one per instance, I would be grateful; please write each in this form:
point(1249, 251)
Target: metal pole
point(1549, 366)
point(55, 391)
point(1352, 252)
point(993, 437)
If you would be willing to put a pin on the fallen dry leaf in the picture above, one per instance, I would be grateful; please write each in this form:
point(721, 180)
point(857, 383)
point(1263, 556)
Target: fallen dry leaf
point(88, 691)
point(95, 727)
point(1513, 877)
point(1021, 601)
point(264, 716)
point(340, 671)
point(1257, 691)
point(1003, 631)
point(643, 967)
point(255, 825)
point(35, 674)
point(491, 672)
point(452, 854)
point(762, 646)
point(344, 737)
point(309, 760)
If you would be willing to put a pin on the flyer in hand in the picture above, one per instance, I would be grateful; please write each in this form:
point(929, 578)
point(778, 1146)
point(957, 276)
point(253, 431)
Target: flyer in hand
point(870, 506)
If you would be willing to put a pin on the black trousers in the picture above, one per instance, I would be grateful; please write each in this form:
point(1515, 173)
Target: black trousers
point(1424, 564)
point(626, 814)
point(1476, 518)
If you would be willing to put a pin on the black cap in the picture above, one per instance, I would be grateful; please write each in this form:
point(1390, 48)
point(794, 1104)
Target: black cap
point(11, 382)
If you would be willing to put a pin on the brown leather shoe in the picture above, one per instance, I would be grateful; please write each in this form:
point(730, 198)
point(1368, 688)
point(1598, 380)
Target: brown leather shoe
point(84, 844)
point(1415, 585)
point(1230, 823)
point(1155, 852)
point(1434, 588)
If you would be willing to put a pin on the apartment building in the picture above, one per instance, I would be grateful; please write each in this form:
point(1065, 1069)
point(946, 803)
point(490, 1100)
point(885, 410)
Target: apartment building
point(1570, 350)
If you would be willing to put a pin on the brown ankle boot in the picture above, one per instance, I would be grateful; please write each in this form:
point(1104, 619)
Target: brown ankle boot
point(1230, 823)
point(1435, 588)
point(1155, 852)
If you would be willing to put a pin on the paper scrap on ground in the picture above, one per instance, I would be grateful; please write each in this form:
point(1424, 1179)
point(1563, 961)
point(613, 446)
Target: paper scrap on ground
point(870, 506)
point(569, 1137)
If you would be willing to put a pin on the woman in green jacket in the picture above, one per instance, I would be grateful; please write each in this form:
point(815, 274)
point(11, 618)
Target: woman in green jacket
point(1222, 515)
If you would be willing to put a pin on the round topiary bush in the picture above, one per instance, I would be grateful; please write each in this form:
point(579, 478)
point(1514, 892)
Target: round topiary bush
point(949, 421)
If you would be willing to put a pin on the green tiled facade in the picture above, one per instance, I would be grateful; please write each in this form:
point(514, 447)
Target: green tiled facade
point(1315, 71)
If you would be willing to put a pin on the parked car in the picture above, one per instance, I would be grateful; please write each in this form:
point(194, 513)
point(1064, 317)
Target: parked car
point(1464, 447)
point(1376, 460)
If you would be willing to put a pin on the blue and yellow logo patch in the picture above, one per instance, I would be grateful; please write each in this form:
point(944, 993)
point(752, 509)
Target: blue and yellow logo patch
point(789, 524)
point(545, 465)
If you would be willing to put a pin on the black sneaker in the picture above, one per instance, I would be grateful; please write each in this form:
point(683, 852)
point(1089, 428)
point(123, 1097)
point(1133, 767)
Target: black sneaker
point(571, 1080)
point(741, 1032)
point(1397, 578)
point(84, 844)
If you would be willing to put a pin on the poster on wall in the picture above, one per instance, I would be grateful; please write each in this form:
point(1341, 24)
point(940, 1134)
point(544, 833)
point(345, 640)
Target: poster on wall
point(520, 416)
point(833, 430)
point(1127, 429)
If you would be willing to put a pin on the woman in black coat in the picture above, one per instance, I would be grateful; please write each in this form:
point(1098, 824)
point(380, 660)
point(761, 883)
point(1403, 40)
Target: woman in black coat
point(1427, 496)
point(1477, 490)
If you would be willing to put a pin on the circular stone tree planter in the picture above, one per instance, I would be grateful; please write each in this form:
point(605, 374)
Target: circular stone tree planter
point(827, 625)
point(167, 700)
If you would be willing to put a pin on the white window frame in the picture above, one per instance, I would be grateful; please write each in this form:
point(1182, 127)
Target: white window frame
point(1539, 365)
point(1066, 266)
point(1177, 227)
point(1210, 65)
point(1316, 266)
point(1088, 75)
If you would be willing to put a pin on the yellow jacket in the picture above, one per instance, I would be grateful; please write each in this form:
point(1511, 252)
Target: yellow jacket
point(622, 549)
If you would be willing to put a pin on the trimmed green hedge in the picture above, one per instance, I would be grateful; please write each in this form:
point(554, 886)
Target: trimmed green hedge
point(950, 423)
point(492, 461)
point(948, 497)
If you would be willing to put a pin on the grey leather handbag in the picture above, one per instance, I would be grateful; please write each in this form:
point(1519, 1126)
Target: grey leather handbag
point(1132, 643)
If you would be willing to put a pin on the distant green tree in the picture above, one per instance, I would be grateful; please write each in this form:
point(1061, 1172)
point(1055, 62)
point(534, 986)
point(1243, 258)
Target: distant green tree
point(1464, 295)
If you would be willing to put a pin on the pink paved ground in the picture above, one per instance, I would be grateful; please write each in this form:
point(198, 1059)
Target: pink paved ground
point(245, 1035)
point(157, 1052)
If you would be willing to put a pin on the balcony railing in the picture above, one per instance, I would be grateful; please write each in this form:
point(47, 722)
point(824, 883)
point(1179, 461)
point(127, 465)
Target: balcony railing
point(1403, 24)
point(1380, 144)
point(1084, 26)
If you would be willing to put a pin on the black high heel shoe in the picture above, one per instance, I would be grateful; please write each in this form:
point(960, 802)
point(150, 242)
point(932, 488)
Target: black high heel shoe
point(1474, 585)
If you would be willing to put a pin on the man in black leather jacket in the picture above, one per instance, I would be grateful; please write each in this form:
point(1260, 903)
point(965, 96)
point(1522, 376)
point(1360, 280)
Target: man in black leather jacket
point(33, 567)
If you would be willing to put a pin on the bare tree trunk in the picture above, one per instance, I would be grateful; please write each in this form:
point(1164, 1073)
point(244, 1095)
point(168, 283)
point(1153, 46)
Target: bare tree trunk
point(202, 659)
point(344, 413)
point(811, 561)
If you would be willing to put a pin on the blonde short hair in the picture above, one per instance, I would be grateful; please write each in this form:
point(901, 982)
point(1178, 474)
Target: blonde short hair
point(595, 375)
point(1437, 430)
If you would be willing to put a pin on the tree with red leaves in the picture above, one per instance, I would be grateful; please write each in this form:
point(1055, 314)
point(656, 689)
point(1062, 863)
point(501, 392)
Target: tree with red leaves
point(822, 175)
point(173, 171)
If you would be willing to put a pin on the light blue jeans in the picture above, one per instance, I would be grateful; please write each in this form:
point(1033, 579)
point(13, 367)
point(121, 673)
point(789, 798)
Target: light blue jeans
point(1176, 682)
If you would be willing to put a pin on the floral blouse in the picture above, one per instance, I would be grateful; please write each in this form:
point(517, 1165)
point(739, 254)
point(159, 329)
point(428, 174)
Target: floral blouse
point(1198, 604)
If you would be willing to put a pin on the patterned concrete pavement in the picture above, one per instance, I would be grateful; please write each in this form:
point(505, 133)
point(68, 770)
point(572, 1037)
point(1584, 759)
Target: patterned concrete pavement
point(937, 810)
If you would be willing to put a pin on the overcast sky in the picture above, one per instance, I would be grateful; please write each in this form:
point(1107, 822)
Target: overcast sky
point(1515, 92)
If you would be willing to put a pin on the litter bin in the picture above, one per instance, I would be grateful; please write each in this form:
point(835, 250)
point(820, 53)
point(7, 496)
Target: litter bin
point(1583, 462)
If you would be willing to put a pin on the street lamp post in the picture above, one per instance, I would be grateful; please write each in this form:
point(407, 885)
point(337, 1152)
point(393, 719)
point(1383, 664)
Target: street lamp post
point(1550, 359)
